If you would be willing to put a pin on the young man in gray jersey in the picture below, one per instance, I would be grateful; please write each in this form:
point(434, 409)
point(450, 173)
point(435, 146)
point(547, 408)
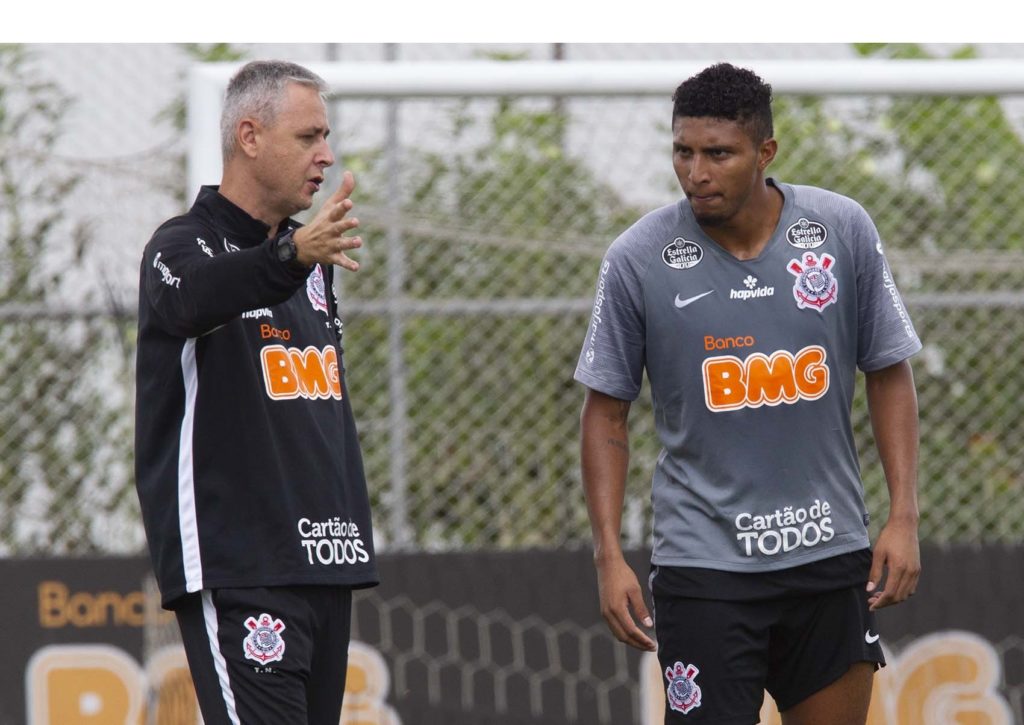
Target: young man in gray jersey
point(750, 304)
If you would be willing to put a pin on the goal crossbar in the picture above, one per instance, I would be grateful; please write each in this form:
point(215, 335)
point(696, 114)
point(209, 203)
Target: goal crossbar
point(403, 80)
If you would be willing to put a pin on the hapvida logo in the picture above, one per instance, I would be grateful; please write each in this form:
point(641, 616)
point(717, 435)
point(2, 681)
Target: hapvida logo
point(752, 291)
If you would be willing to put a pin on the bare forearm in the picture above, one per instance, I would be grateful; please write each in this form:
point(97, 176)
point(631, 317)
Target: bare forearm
point(892, 402)
point(604, 455)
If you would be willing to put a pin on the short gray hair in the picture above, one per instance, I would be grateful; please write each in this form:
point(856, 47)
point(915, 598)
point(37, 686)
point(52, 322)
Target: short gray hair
point(257, 90)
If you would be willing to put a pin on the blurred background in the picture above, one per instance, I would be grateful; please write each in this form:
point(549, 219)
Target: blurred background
point(484, 222)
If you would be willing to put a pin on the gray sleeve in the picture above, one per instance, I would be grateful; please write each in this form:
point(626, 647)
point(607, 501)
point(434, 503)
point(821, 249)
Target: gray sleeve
point(885, 333)
point(612, 358)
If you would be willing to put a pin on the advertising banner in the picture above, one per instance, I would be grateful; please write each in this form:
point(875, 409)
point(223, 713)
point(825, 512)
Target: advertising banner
point(486, 638)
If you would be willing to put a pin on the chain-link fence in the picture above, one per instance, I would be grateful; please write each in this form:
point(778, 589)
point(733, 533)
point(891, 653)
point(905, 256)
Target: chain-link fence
point(470, 316)
point(485, 222)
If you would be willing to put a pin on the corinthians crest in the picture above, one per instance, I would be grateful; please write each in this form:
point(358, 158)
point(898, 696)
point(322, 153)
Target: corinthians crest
point(816, 287)
point(264, 642)
point(316, 289)
point(683, 691)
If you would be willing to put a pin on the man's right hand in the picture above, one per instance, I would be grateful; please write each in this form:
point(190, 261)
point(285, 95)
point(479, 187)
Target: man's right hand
point(322, 239)
point(622, 604)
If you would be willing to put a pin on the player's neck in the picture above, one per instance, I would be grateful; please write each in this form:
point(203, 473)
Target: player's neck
point(747, 233)
point(248, 198)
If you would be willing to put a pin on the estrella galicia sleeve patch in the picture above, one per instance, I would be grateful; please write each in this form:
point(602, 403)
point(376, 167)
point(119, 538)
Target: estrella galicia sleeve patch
point(806, 234)
point(682, 254)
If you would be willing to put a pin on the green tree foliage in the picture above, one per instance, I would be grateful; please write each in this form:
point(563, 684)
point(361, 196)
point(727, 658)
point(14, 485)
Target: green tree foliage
point(65, 421)
point(510, 215)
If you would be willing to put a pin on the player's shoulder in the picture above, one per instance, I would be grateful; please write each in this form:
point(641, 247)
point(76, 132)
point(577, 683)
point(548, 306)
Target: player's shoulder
point(841, 210)
point(189, 227)
point(648, 232)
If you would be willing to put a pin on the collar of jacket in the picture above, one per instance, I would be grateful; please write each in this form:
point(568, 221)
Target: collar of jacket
point(232, 220)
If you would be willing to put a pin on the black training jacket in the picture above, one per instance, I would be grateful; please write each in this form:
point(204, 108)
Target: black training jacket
point(247, 463)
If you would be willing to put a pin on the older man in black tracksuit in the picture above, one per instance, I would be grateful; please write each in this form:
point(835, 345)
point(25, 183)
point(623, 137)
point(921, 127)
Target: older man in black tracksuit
point(247, 462)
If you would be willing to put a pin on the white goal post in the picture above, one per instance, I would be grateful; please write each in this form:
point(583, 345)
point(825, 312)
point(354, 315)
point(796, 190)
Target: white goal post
point(403, 79)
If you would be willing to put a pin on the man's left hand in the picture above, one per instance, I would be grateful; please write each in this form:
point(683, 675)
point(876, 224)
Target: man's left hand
point(897, 556)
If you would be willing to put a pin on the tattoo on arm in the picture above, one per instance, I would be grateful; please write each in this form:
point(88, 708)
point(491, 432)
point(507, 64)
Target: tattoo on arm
point(620, 444)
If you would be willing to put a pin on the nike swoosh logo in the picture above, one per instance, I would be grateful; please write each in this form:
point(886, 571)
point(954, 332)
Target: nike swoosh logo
point(680, 304)
point(870, 638)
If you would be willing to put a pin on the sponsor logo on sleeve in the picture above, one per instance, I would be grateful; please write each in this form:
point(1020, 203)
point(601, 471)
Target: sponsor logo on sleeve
point(264, 642)
point(229, 247)
point(595, 316)
point(683, 692)
point(165, 273)
point(816, 286)
point(807, 234)
point(897, 303)
point(682, 254)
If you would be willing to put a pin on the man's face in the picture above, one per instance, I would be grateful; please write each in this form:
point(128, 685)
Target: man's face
point(718, 165)
point(293, 151)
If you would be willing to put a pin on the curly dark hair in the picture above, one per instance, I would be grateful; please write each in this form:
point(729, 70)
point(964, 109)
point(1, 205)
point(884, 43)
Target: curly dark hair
point(725, 91)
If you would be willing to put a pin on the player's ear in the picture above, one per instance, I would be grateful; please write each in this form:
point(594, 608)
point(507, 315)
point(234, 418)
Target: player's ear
point(766, 153)
point(245, 136)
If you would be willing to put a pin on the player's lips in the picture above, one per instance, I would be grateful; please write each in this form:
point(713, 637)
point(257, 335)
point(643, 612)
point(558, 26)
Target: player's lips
point(315, 183)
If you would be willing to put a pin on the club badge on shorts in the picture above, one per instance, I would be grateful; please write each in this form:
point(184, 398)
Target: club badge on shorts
point(683, 691)
point(816, 287)
point(264, 642)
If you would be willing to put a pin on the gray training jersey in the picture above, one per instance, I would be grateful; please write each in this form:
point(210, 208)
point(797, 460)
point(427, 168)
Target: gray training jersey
point(752, 367)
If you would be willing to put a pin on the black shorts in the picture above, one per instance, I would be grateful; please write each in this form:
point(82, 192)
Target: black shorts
point(268, 655)
point(718, 657)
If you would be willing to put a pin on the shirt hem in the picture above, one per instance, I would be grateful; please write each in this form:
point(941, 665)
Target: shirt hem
point(601, 386)
point(789, 563)
point(362, 581)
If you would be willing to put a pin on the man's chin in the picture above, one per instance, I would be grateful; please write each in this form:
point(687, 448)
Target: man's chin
point(710, 220)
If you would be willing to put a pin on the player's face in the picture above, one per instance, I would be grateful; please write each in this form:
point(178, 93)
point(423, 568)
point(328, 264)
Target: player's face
point(718, 165)
point(294, 151)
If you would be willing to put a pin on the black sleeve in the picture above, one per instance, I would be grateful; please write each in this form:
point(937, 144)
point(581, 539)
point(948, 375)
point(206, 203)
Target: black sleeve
point(192, 291)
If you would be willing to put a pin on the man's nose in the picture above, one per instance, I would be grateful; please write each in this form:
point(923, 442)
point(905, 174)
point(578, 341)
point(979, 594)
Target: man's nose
point(698, 169)
point(325, 157)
